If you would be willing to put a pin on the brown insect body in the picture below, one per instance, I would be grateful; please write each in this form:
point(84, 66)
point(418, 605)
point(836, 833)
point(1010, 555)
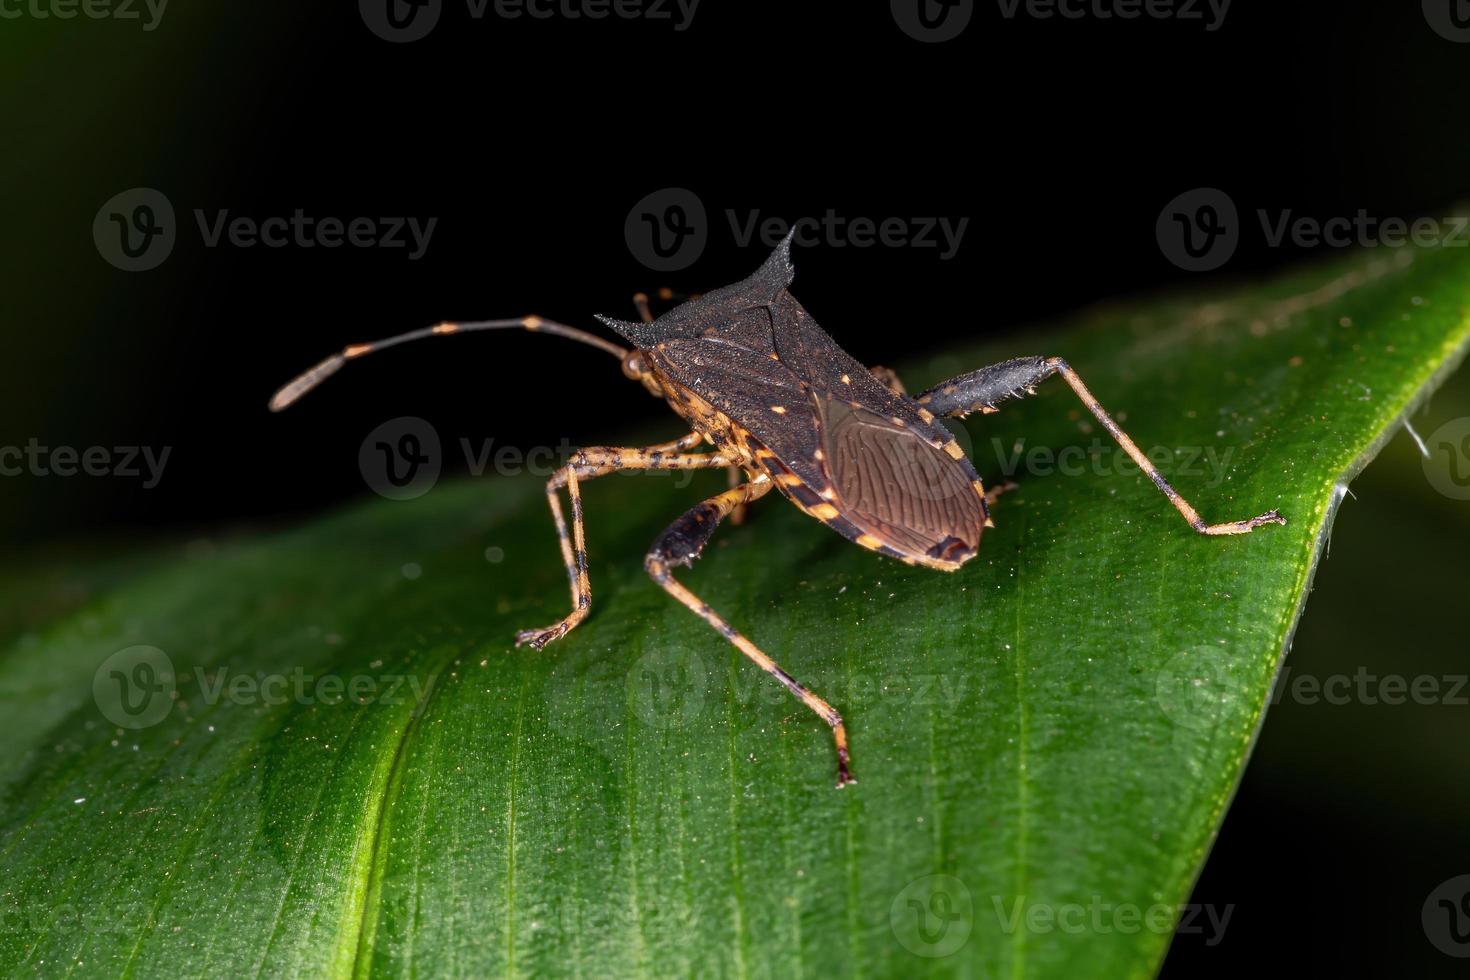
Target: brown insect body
point(751, 371)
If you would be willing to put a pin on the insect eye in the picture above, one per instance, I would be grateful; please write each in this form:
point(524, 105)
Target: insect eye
point(633, 365)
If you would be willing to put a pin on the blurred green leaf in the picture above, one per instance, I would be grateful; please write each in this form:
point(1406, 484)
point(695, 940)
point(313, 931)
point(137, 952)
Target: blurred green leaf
point(318, 751)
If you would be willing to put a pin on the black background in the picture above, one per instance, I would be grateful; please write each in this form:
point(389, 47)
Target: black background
point(530, 141)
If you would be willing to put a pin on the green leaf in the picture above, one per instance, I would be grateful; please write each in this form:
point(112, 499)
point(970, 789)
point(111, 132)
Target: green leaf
point(1045, 741)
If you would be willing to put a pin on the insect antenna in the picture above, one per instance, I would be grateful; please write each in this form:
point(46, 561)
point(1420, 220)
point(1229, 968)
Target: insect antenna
point(310, 378)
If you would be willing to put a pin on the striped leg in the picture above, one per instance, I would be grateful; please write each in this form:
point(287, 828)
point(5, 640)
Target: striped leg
point(586, 464)
point(979, 391)
point(680, 544)
point(736, 477)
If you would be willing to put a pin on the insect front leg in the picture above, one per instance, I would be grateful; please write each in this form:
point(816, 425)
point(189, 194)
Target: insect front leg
point(680, 544)
point(586, 464)
point(979, 391)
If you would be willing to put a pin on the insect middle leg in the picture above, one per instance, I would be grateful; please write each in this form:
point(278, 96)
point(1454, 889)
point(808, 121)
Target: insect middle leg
point(680, 544)
point(979, 391)
point(735, 476)
point(595, 462)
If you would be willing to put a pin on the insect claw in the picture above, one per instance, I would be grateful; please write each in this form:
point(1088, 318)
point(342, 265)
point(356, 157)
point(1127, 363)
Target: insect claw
point(844, 775)
point(538, 638)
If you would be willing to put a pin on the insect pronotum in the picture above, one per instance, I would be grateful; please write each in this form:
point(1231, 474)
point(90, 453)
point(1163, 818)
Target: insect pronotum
point(781, 404)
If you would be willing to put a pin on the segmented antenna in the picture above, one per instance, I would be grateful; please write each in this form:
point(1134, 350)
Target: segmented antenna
point(309, 379)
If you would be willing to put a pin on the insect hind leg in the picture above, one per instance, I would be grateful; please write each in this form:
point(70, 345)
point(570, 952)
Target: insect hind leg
point(680, 544)
point(979, 391)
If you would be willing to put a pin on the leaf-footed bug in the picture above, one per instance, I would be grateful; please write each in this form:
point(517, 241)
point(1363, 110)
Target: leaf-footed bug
point(777, 400)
